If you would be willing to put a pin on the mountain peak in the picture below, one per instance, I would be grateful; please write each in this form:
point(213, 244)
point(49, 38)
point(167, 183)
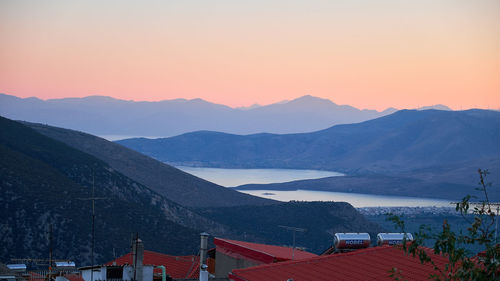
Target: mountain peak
point(436, 106)
point(253, 106)
point(308, 99)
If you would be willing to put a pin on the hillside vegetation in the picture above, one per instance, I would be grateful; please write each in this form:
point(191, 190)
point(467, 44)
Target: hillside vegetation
point(319, 219)
point(43, 182)
point(174, 184)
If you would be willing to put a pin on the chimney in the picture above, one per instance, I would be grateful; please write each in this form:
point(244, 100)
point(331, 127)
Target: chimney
point(203, 256)
point(137, 258)
point(203, 247)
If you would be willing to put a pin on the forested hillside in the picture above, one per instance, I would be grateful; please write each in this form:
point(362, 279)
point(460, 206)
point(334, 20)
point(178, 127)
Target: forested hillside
point(43, 182)
point(168, 181)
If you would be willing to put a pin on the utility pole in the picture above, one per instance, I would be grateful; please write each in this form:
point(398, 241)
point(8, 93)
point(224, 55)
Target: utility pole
point(50, 252)
point(496, 224)
point(93, 198)
point(294, 229)
point(134, 252)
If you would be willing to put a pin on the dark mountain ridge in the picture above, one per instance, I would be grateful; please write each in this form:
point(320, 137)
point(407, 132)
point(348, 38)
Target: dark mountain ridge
point(319, 219)
point(174, 184)
point(403, 141)
point(43, 182)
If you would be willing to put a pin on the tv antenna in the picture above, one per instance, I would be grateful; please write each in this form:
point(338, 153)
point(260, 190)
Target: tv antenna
point(332, 233)
point(93, 198)
point(44, 262)
point(294, 230)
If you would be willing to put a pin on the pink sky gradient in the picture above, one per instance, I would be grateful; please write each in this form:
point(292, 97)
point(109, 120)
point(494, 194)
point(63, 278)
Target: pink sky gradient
point(369, 54)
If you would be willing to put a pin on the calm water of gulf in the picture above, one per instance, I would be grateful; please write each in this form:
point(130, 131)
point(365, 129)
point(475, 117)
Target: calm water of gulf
point(235, 177)
point(356, 199)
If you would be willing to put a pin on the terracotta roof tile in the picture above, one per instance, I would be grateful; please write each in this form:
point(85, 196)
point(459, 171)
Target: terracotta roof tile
point(175, 266)
point(366, 264)
point(73, 277)
point(261, 252)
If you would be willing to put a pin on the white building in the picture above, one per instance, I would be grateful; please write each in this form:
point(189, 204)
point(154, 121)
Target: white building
point(137, 271)
point(115, 272)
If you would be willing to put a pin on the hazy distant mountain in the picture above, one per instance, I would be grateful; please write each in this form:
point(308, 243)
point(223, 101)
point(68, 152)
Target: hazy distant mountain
point(403, 141)
point(253, 106)
point(106, 116)
point(436, 106)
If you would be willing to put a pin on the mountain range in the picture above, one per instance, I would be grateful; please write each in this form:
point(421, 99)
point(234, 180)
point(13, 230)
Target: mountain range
point(115, 119)
point(403, 141)
point(408, 144)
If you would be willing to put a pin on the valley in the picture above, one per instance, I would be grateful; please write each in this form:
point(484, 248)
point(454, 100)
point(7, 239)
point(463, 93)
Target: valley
point(412, 153)
point(44, 179)
point(236, 186)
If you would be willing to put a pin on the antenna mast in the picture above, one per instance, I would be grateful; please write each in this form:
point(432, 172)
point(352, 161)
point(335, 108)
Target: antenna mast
point(294, 229)
point(93, 198)
point(50, 252)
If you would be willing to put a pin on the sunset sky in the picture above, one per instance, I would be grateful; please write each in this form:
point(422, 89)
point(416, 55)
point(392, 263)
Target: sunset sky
point(369, 54)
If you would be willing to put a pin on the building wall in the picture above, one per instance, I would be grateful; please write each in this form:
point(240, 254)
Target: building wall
point(225, 264)
point(128, 273)
point(99, 274)
point(147, 272)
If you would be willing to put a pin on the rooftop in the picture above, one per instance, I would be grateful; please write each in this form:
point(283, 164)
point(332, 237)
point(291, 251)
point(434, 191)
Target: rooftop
point(261, 252)
point(365, 264)
point(176, 266)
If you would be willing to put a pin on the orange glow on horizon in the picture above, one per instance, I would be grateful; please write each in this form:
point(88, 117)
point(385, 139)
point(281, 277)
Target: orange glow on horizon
point(368, 56)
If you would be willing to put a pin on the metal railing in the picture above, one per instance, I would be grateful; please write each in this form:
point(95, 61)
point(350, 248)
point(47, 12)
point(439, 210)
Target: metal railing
point(43, 275)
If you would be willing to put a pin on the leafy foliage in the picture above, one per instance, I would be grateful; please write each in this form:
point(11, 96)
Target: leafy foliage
point(482, 232)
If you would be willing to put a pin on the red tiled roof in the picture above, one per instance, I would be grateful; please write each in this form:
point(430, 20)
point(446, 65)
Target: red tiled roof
point(35, 275)
point(73, 277)
point(366, 264)
point(260, 252)
point(175, 266)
